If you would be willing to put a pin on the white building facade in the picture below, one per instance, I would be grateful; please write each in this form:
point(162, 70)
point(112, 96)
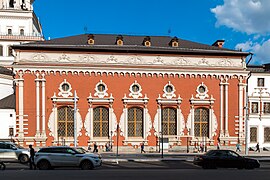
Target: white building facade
point(259, 107)
point(18, 24)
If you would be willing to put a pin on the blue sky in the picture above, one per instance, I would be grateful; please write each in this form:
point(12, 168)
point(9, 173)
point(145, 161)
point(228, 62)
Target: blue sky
point(243, 24)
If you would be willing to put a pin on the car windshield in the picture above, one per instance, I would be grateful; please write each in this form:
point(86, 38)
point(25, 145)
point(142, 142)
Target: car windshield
point(81, 150)
point(76, 151)
point(18, 146)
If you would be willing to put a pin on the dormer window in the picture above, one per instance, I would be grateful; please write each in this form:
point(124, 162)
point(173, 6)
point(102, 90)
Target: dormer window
point(91, 40)
point(119, 40)
point(147, 41)
point(174, 42)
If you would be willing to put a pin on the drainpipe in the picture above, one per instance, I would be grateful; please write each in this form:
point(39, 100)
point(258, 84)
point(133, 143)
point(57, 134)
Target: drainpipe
point(247, 109)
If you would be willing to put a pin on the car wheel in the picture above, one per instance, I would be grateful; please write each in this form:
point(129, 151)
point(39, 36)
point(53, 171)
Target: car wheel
point(43, 165)
point(86, 165)
point(23, 158)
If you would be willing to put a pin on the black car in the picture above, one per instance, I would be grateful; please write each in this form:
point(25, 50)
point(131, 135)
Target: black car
point(225, 159)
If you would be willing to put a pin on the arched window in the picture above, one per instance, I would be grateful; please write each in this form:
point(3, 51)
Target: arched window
point(21, 32)
point(101, 122)
point(267, 134)
point(201, 122)
point(135, 122)
point(169, 119)
point(65, 121)
point(253, 134)
point(1, 50)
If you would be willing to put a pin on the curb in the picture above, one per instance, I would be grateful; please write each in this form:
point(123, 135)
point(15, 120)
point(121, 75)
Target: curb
point(144, 160)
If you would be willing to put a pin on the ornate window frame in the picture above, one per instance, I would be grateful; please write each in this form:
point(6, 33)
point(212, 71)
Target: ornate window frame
point(134, 100)
point(168, 100)
point(202, 100)
point(63, 98)
point(100, 99)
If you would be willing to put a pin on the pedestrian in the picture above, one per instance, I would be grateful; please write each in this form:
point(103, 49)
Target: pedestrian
point(142, 148)
point(218, 145)
point(201, 147)
point(257, 147)
point(32, 156)
point(238, 147)
point(89, 148)
point(95, 148)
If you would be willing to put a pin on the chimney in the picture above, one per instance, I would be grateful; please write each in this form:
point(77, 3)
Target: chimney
point(219, 43)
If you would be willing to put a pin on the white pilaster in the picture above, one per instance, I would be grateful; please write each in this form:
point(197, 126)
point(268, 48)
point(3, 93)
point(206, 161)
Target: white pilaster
point(226, 110)
point(37, 108)
point(241, 85)
point(21, 105)
point(43, 107)
point(221, 110)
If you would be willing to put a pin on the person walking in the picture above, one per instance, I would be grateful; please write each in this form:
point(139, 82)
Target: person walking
point(142, 148)
point(218, 146)
point(257, 147)
point(95, 148)
point(32, 156)
point(238, 147)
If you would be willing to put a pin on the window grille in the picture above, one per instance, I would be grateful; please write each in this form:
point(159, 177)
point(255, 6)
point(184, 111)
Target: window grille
point(169, 118)
point(201, 122)
point(253, 134)
point(101, 122)
point(267, 134)
point(135, 122)
point(65, 122)
point(254, 107)
point(266, 107)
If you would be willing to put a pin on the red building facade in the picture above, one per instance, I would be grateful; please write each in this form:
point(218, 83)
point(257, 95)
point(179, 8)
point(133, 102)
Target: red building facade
point(132, 85)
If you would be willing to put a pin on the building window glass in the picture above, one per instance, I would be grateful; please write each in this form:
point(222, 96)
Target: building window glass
point(101, 87)
point(1, 50)
point(260, 82)
point(135, 122)
point(254, 107)
point(9, 31)
point(253, 134)
point(169, 88)
point(65, 87)
point(169, 119)
point(21, 32)
point(266, 107)
point(65, 122)
point(135, 88)
point(267, 134)
point(9, 51)
point(201, 122)
point(101, 122)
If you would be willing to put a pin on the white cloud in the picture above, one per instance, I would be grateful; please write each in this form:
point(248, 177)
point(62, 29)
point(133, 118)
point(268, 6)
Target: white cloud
point(249, 16)
point(260, 51)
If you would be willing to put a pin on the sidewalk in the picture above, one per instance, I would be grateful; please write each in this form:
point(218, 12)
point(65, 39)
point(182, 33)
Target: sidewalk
point(168, 156)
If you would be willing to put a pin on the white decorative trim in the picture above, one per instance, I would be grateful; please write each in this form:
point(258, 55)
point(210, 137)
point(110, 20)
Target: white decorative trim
point(101, 94)
point(135, 94)
point(202, 95)
point(159, 60)
point(64, 93)
point(169, 95)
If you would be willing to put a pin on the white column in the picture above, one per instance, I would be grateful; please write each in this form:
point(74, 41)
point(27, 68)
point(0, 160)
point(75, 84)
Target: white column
point(43, 108)
point(192, 121)
point(240, 109)
point(210, 122)
point(21, 97)
point(221, 109)
point(37, 109)
point(226, 110)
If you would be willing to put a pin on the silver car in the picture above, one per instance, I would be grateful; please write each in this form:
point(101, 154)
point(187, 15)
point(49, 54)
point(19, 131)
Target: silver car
point(12, 152)
point(64, 156)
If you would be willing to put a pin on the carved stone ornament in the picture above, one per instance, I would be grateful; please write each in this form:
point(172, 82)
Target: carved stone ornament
point(64, 58)
point(169, 91)
point(135, 90)
point(39, 57)
point(101, 89)
point(225, 62)
point(203, 62)
point(65, 89)
point(202, 91)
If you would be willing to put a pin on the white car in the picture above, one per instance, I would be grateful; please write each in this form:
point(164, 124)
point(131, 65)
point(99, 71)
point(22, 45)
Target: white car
point(12, 152)
point(65, 156)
